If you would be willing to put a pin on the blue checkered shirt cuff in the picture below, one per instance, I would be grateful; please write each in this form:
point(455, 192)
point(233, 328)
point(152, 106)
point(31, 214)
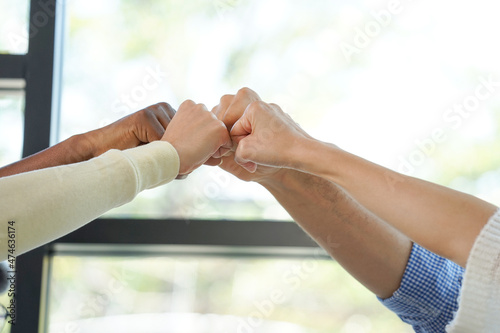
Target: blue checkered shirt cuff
point(428, 296)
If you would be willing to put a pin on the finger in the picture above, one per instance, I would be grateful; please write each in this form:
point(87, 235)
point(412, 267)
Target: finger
point(243, 98)
point(202, 106)
point(228, 151)
point(240, 130)
point(165, 113)
point(228, 164)
point(244, 162)
point(186, 104)
point(220, 110)
point(248, 166)
point(215, 110)
point(226, 147)
point(222, 151)
point(154, 131)
point(212, 161)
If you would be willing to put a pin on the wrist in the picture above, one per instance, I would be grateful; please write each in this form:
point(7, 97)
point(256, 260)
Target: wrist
point(276, 179)
point(81, 147)
point(308, 155)
point(306, 158)
point(286, 181)
point(301, 185)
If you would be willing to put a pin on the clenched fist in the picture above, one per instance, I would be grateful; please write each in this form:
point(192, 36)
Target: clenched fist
point(197, 135)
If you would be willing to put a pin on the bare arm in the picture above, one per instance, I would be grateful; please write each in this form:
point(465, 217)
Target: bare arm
point(136, 129)
point(73, 150)
point(369, 249)
point(444, 221)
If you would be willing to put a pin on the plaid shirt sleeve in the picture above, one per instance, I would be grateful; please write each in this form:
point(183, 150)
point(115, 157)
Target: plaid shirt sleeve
point(428, 296)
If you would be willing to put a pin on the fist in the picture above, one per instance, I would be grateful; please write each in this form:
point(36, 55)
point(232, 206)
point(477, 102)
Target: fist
point(197, 135)
point(232, 107)
point(266, 135)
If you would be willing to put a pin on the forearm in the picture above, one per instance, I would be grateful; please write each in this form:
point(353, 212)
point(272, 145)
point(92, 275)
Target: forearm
point(441, 219)
point(77, 148)
point(369, 249)
point(49, 203)
point(139, 128)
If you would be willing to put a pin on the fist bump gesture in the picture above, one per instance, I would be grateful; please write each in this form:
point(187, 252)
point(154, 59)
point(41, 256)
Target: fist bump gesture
point(366, 216)
point(241, 132)
point(262, 134)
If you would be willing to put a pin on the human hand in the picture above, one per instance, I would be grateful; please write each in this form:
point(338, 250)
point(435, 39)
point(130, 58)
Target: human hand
point(261, 175)
point(265, 135)
point(133, 130)
point(229, 110)
point(197, 135)
point(139, 128)
point(232, 107)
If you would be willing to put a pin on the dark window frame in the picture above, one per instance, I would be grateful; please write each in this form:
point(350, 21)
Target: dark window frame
point(41, 68)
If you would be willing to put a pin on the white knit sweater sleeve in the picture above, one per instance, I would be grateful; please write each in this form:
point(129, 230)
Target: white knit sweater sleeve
point(479, 303)
point(47, 204)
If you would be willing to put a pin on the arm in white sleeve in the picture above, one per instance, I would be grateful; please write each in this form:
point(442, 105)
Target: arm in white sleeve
point(479, 306)
point(47, 204)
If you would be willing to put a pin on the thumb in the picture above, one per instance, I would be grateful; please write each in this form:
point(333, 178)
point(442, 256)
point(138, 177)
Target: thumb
point(241, 129)
point(246, 153)
point(212, 161)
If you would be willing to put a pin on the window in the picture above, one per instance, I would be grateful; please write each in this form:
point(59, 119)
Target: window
point(409, 85)
point(13, 44)
point(193, 293)
point(14, 26)
point(125, 55)
point(11, 122)
point(11, 133)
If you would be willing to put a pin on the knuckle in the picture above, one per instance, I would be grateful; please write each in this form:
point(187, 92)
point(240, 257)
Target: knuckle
point(216, 110)
point(188, 102)
point(221, 127)
point(164, 106)
point(212, 116)
point(244, 146)
point(147, 112)
point(246, 150)
point(256, 105)
point(230, 118)
point(201, 107)
point(226, 99)
point(245, 91)
point(217, 126)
